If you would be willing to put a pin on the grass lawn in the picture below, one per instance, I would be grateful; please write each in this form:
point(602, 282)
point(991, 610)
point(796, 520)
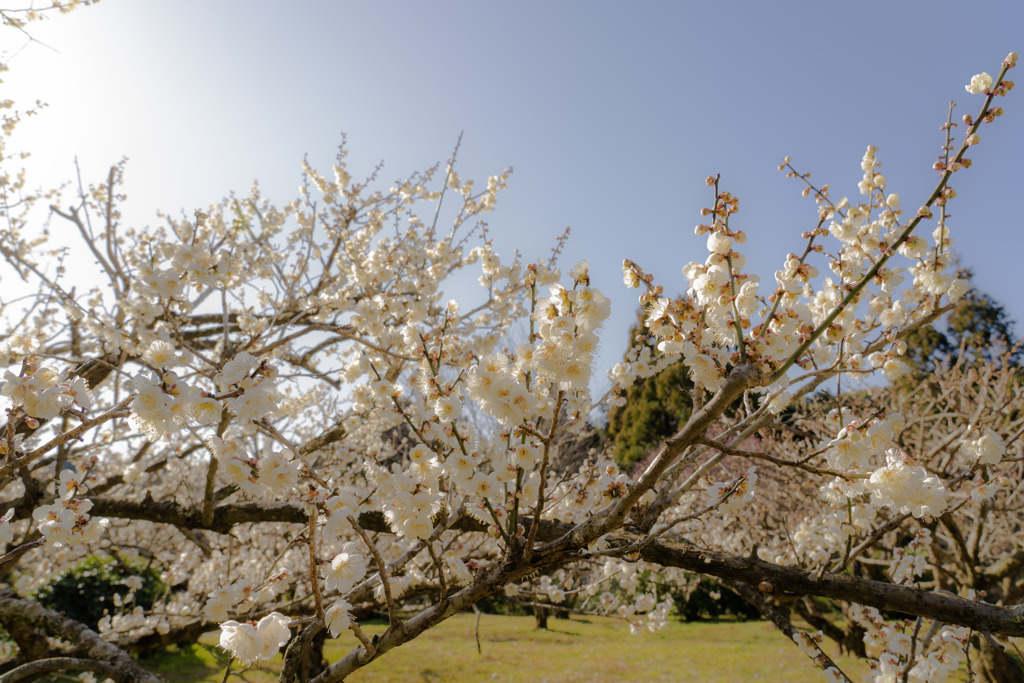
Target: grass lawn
point(582, 649)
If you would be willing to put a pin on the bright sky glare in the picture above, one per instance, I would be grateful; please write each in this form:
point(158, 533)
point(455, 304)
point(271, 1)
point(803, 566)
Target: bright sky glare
point(611, 113)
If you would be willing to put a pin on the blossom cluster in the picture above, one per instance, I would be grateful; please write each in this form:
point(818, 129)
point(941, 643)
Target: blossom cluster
point(253, 641)
point(166, 403)
point(944, 654)
point(42, 393)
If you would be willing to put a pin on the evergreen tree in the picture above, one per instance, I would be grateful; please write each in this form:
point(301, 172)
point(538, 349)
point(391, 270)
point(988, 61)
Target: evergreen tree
point(656, 407)
point(977, 323)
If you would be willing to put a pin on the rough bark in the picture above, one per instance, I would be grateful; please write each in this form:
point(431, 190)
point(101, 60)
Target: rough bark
point(302, 658)
point(32, 671)
point(82, 637)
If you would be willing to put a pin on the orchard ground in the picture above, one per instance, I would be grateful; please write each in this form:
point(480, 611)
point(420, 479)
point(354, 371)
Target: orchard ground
point(580, 649)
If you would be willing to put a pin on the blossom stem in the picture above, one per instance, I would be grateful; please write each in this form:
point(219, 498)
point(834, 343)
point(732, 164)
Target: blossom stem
point(381, 569)
point(314, 578)
point(921, 215)
point(543, 473)
point(119, 410)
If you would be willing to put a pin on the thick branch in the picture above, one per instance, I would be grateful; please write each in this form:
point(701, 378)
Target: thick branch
point(791, 580)
point(70, 630)
point(34, 670)
point(941, 606)
point(741, 378)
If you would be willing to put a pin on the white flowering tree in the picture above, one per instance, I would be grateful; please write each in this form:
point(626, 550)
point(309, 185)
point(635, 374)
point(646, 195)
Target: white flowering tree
point(291, 413)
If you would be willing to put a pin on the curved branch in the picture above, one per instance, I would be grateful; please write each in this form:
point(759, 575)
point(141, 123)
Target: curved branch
point(70, 630)
point(940, 606)
point(34, 670)
point(679, 553)
point(120, 410)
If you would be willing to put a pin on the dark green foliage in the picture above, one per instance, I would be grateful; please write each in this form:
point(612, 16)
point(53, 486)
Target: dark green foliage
point(977, 323)
point(502, 604)
point(87, 590)
point(656, 407)
point(708, 600)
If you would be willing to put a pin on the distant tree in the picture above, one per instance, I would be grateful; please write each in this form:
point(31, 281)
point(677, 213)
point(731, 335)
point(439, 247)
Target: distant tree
point(977, 323)
point(655, 408)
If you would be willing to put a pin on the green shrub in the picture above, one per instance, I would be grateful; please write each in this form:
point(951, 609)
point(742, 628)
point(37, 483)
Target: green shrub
point(708, 600)
point(86, 591)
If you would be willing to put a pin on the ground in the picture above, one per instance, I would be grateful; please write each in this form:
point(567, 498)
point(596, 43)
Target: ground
point(579, 650)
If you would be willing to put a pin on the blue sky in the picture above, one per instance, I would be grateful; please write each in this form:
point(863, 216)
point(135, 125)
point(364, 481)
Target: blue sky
point(611, 113)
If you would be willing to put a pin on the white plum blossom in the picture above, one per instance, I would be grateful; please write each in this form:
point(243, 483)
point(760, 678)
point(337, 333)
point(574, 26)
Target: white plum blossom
point(257, 400)
point(241, 640)
point(39, 393)
point(67, 522)
point(235, 370)
point(152, 408)
point(344, 571)
point(907, 488)
point(273, 632)
point(205, 411)
point(980, 84)
point(255, 641)
point(339, 617)
point(277, 473)
point(222, 600)
point(987, 447)
point(160, 354)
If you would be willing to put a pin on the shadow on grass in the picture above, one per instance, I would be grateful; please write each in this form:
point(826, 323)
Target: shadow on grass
point(561, 632)
point(183, 663)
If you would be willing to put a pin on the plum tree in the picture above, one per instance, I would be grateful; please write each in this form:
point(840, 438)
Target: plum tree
point(285, 411)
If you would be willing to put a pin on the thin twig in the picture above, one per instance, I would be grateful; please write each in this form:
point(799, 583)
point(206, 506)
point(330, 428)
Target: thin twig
point(532, 535)
point(119, 410)
point(314, 563)
point(382, 570)
point(440, 574)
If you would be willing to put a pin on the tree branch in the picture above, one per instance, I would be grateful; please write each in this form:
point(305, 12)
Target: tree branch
point(70, 630)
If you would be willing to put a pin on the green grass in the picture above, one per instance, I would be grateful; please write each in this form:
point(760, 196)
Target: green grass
point(582, 649)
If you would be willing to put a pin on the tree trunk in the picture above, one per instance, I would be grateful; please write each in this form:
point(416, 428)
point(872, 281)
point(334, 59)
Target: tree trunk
point(997, 665)
point(853, 643)
point(313, 660)
point(541, 615)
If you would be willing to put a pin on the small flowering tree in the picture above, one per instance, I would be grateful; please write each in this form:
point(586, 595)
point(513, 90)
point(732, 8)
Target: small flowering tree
point(287, 411)
point(961, 421)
